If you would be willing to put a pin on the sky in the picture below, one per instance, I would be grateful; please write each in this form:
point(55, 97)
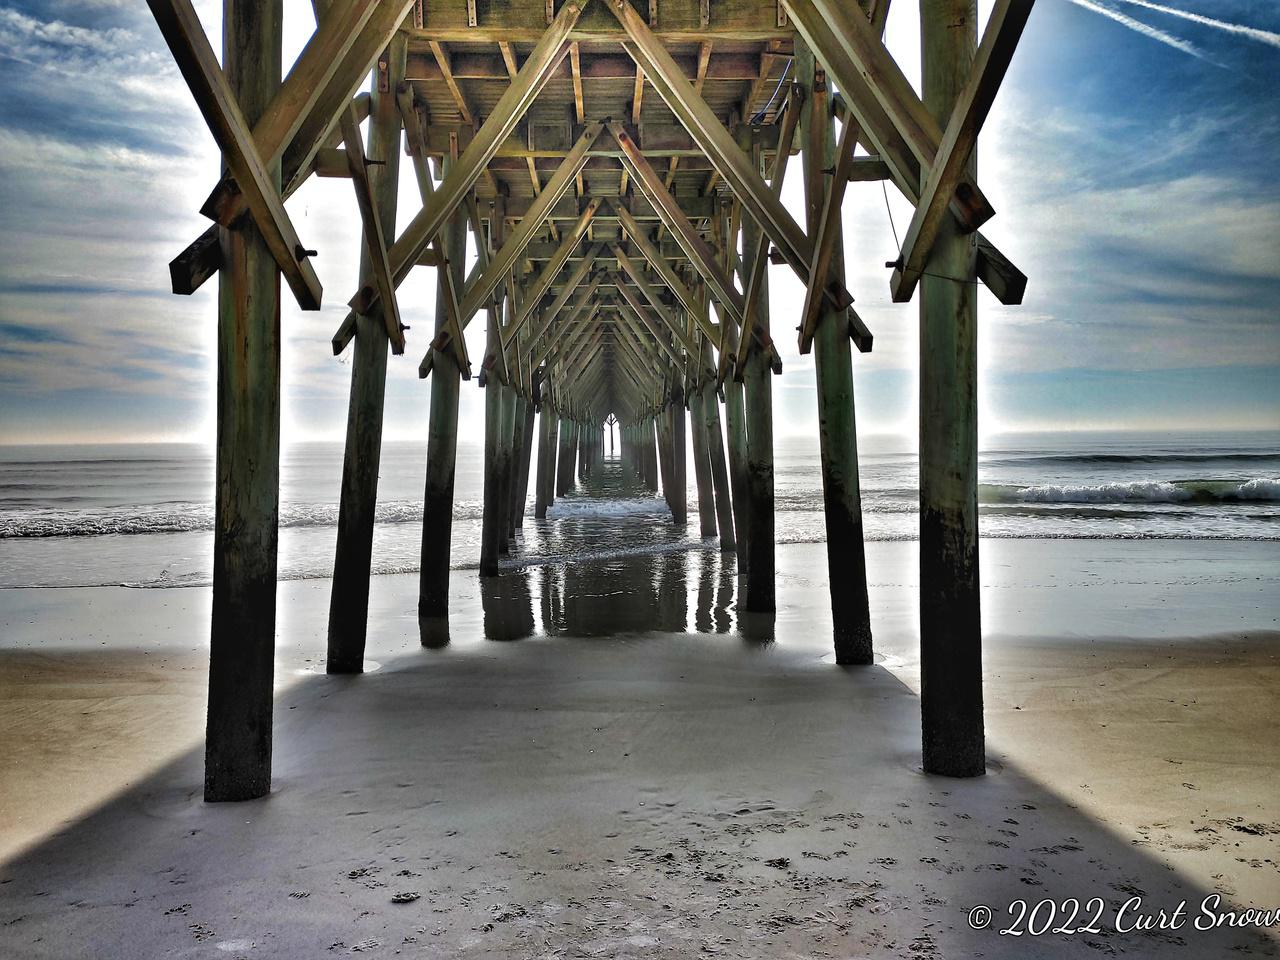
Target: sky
point(1130, 158)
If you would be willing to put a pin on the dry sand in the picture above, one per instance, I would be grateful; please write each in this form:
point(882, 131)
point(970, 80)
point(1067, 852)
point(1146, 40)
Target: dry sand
point(645, 794)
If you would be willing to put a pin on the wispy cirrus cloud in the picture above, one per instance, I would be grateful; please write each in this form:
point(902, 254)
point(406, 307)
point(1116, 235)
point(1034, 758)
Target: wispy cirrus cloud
point(1238, 29)
point(1137, 26)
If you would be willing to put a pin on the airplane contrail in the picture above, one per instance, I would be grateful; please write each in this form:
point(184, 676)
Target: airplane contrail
point(1145, 29)
point(1253, 33)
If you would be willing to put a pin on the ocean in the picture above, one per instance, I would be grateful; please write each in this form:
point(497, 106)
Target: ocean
point(141, 515)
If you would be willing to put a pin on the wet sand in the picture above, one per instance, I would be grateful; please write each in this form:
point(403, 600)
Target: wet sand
point(607, 784)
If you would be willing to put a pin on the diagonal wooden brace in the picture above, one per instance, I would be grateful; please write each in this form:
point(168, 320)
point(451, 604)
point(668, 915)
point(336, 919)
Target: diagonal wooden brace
point(950, 166)
point(829, 227)
point(374, 239)
point(716, 142)
point(326, 61)
point(882, 98)
point(200, 68)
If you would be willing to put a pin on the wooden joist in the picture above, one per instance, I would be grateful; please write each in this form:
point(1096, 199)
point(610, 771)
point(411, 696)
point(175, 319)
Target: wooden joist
point(695, 248)
point(551, 268)
point(716, 141)
point(511, 107)
point(641, 311)
point(587, 299)
point(181, 29)
point(664, 270)
point(528, 226)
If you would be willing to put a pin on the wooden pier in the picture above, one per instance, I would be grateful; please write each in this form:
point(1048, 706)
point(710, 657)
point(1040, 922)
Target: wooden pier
point(618, 165)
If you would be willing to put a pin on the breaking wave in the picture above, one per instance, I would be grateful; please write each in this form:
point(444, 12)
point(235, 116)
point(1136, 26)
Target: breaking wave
point(1122, 458)
point(193, 518)
point(1257, 490)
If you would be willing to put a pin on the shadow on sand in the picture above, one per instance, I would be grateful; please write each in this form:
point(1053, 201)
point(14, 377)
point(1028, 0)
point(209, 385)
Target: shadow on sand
point(661, 794)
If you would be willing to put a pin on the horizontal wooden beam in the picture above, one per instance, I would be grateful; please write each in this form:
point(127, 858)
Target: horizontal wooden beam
point(711, 134)
point(665, 271)
point(732, 67)
point(696, 249)
point(678, 21)
point(552, 269)
point(529, 224)
point(869, 169)
point(551, 142)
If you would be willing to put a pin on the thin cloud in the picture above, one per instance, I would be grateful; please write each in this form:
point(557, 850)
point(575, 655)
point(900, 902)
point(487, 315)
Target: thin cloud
point(1145, 29)
point(1239, 29)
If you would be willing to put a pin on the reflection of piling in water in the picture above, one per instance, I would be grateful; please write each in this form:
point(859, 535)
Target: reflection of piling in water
point(594, 329)
point(508, 606)
point(707, 564)
point(549, 599)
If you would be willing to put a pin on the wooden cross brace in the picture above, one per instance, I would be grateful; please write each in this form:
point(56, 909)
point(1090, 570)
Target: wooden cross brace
point(950, 164)
point(200, 68)
point(374, 239)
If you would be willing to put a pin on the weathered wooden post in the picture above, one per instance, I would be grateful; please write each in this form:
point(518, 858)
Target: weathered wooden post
point(719, 471)
point(679, 468)
point(950, 616)
point(837, 429)
point(757, 383)
point(495, 452)
point(520, 461)
point(544, 486)
point(564, 473)
point(506, 463)
point(736, 441)
point(663, 426)
point(651, 451)
point(702, 464)
point(237, 761)
point(442, 444)
point(353, 557)
point(575, 439)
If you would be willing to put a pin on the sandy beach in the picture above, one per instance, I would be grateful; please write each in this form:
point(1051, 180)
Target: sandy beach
point(697, 788)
